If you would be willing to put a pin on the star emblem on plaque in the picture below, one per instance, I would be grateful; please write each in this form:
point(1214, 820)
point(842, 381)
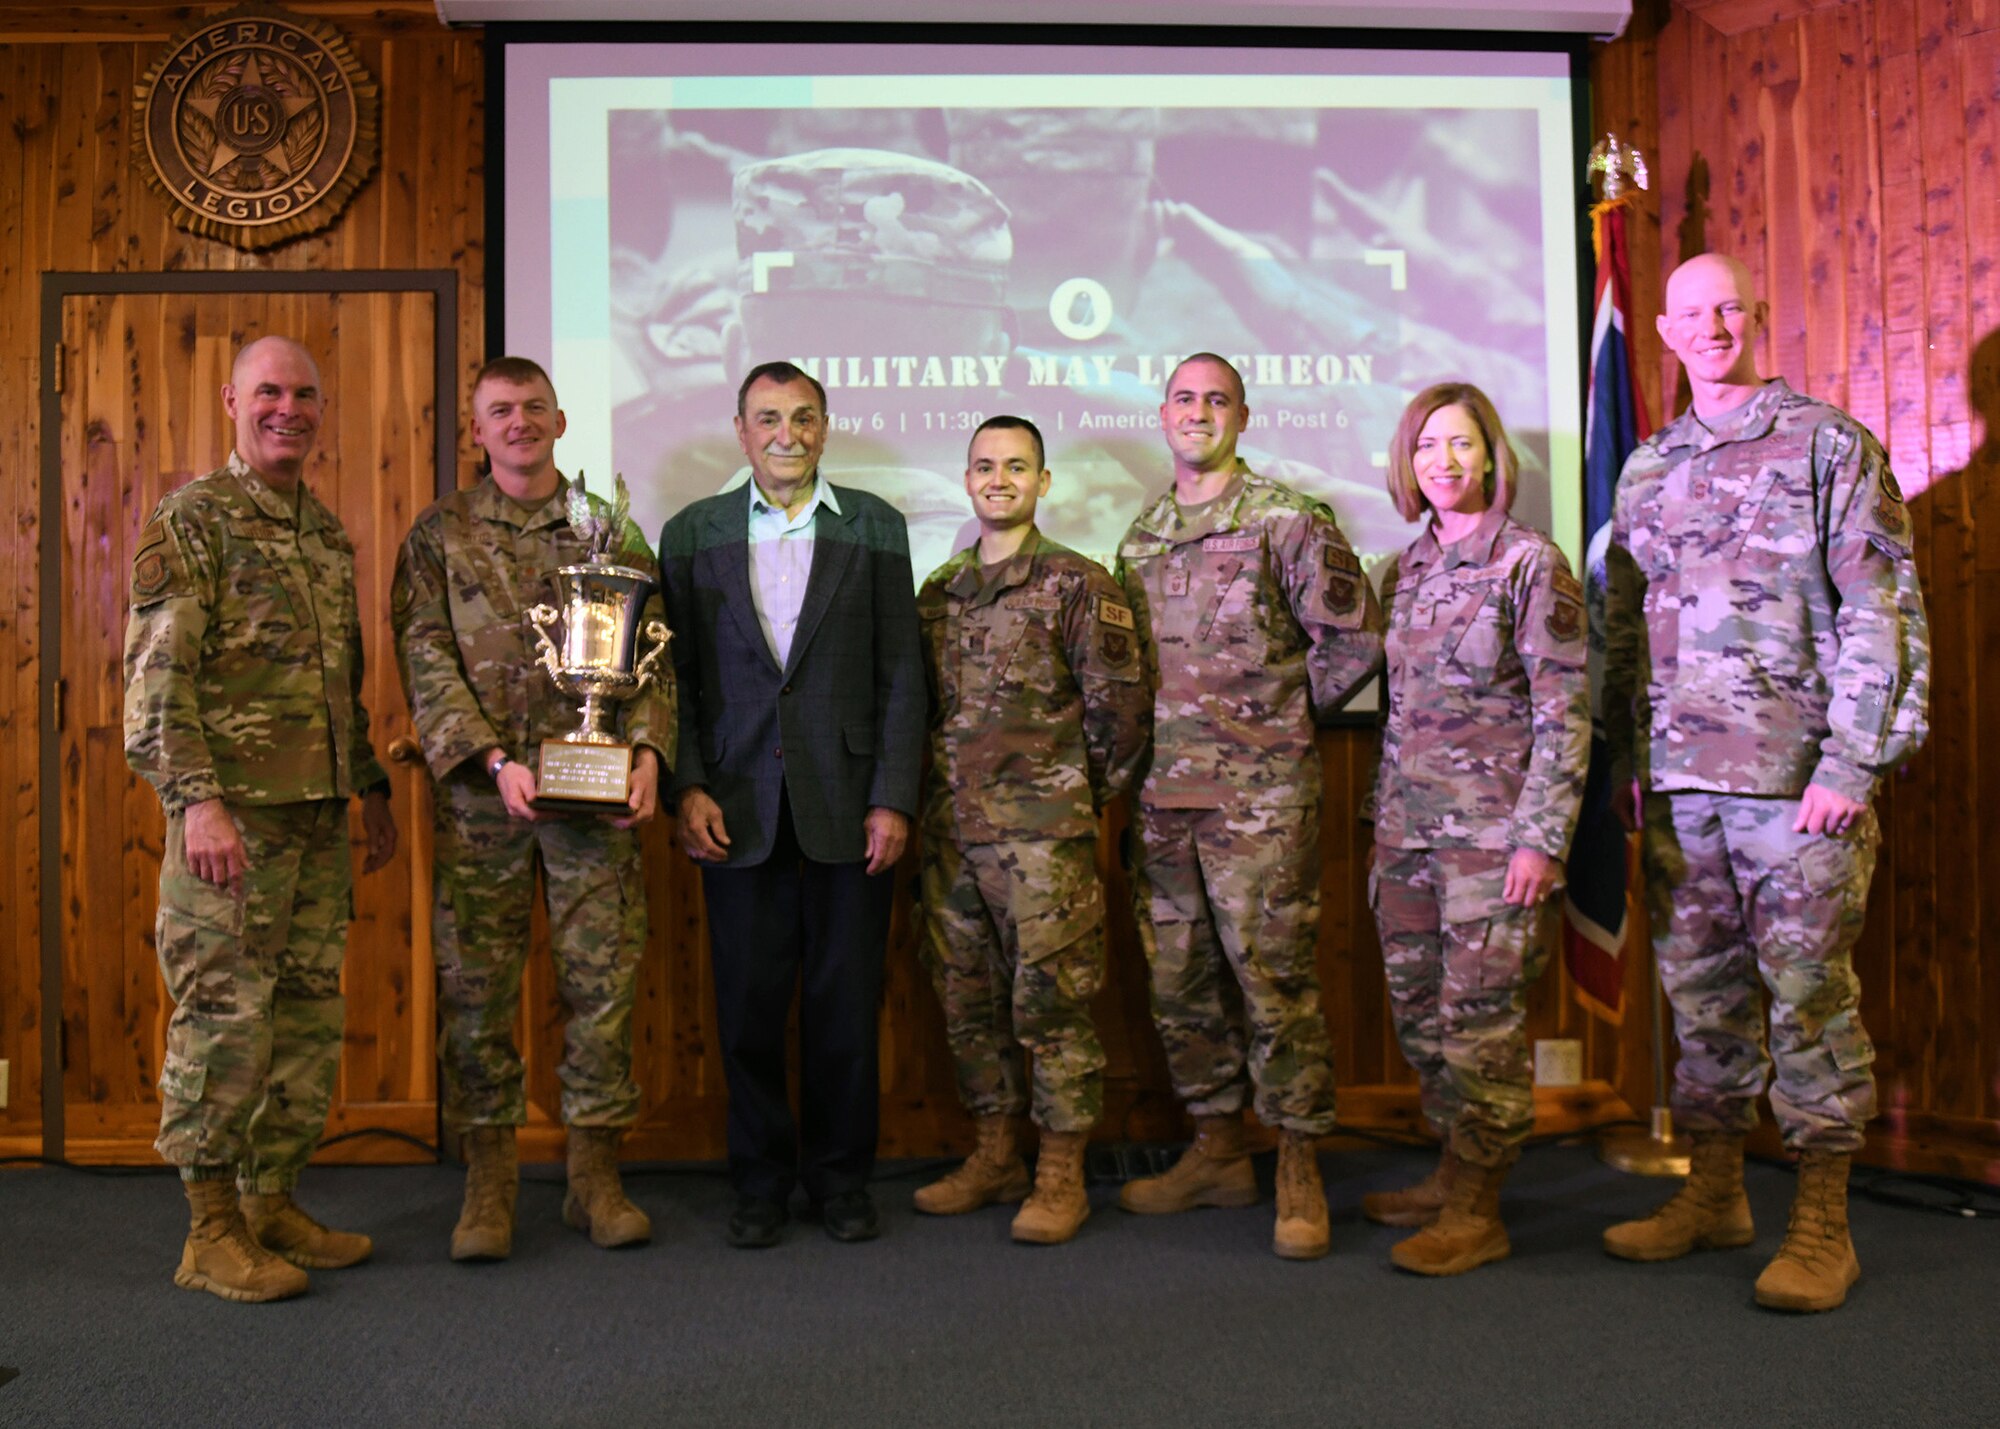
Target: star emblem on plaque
point(258, 126)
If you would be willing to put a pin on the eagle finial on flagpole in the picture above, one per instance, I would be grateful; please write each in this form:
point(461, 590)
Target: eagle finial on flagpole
point(1613, 161)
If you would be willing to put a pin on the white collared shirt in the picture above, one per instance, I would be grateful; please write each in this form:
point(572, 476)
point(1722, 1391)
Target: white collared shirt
point(781, 555)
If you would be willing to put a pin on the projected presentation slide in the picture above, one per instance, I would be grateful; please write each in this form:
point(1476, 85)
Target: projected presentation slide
point(943, 233)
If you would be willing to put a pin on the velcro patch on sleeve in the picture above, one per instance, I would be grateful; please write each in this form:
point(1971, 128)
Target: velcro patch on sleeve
point(1110, 612)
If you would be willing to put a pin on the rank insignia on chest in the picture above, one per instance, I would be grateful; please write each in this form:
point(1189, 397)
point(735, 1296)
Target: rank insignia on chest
point(1565, 620)
point(1110, 612)
point(1177, 581)
point(975, 642)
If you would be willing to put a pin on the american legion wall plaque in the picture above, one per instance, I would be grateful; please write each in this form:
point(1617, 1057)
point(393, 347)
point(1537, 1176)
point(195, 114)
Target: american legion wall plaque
point(259, 126)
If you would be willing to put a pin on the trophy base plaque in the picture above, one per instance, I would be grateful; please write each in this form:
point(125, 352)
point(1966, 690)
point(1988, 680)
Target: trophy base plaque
point(582, 778)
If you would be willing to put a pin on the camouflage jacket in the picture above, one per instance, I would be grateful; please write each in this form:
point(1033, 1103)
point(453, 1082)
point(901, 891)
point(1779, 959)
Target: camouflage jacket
point(1488, 727)
point(468, 572)
point(1763, 624)
point(243, 648)
point(1252, 617)
point(1039, 710)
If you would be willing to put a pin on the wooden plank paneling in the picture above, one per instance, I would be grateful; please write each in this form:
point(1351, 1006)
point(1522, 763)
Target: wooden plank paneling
point(73, 203)
point(1830, 174)
point(1873, 160)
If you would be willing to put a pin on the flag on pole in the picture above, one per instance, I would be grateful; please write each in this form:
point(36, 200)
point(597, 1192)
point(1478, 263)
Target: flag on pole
point(1614, 423)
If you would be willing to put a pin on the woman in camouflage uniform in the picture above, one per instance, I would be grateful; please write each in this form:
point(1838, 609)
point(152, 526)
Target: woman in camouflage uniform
point(1483, 756)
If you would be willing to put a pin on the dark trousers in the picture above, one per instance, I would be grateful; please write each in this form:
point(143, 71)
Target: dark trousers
point(824, 927)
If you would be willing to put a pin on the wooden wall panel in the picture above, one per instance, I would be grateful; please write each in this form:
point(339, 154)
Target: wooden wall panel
point(1851, 148)
point(69, 200)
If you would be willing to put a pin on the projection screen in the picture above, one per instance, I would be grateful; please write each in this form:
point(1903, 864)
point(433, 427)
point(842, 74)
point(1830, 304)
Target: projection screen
point(941, 233)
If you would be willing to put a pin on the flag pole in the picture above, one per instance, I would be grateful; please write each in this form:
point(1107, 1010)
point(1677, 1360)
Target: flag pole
point(1617, 166)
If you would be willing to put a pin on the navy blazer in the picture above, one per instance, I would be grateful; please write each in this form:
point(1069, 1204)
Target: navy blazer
point(841, 727)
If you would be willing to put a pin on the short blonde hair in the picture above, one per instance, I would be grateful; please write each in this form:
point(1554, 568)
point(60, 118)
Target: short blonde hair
point(1402, 482)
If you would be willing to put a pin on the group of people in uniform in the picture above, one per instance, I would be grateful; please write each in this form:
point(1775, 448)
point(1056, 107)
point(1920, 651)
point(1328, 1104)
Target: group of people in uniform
point(1765, 666)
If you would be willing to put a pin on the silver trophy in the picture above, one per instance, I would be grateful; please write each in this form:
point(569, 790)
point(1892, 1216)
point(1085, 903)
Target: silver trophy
point(595, 659)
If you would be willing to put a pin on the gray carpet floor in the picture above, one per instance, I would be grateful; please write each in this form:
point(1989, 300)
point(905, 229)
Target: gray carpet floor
point(1181, 1320)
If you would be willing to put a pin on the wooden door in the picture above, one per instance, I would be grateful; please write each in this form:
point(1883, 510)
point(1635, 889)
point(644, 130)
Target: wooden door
point(141, 415)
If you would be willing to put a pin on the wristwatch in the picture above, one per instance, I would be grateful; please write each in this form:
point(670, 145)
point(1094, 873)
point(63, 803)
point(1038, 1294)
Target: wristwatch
point(500, 761)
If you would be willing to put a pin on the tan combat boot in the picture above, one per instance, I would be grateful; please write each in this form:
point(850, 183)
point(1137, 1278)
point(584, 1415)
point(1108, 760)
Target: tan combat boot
point(1816, 1263)
point(596, 1201)
point(282, 1226)
point(1214, 1171)
point(1301, 1233)
point(1467, 1232)
point(221, 1257)
point(993, 1172)
point(485, 1229)
point(1416, 1205)
point(1059, 1206)
point(1709, 1212)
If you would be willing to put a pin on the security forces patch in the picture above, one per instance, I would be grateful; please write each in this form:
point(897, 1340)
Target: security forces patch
point(1110, 612)
point(1565, 619)
point(150, 571)
point(1116, 647)
point(1343, 579)
point(149, 574)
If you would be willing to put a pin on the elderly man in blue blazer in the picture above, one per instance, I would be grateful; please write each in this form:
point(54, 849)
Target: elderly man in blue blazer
point(802, 718)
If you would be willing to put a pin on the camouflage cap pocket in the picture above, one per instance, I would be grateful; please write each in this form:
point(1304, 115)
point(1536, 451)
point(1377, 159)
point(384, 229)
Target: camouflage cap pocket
point(182, 1078)
point(1828, 865)
point(1047, 931)
point(1848, 1042)
point(1475, 897)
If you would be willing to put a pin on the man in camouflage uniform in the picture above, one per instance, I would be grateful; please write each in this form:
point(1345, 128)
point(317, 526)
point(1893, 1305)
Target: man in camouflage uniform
point(243, 710)
point(1256, 617)
point(1483, 753)
point(469, 571)
point(1039, 715)
point(1767, 663)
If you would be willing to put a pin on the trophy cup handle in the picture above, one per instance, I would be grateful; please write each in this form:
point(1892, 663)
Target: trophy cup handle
point(657, 632)
point(550, 659)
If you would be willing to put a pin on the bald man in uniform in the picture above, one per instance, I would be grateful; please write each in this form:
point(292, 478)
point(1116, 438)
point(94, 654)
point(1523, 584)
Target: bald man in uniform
point(1767, 664)
point(243, 710)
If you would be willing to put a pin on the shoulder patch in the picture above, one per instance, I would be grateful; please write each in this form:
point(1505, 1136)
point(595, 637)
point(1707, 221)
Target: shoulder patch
point(1339, 558)
point(1567, 586)
point(1340, 579)
point(1111, 612)
point(1564, 621)
point(149, 575)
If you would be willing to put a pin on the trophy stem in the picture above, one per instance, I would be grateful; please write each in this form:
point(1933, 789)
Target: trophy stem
point(596, 726)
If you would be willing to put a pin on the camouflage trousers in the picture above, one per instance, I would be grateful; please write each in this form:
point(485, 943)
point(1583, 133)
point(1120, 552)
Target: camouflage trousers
point(1735, 894)
point(1460, 960)
point(1014, 938)
point(1228, 910)
point(596, 904)
point(254, 972)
